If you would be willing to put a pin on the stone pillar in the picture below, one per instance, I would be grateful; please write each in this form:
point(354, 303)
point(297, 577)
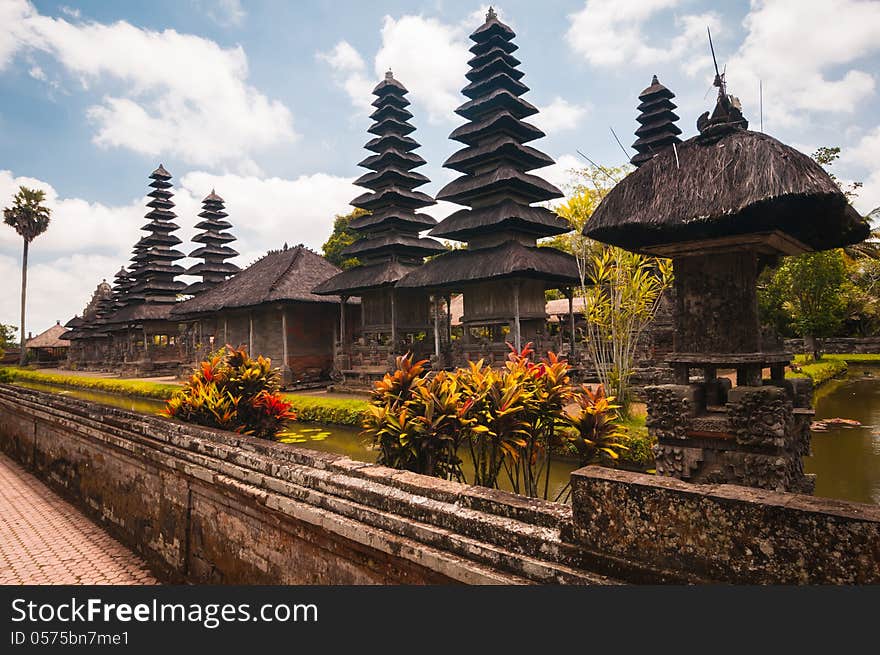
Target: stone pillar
point(286, 372)
point(517, 335)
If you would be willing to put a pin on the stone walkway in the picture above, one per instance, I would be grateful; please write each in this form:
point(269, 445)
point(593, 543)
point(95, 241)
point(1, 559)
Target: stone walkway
point(46, 540)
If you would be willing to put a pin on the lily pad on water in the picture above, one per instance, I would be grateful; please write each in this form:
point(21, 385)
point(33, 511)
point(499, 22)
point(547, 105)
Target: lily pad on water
point(304, 435)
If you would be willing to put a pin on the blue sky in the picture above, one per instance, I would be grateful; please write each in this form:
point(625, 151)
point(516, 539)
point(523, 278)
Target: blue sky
point(268, 102)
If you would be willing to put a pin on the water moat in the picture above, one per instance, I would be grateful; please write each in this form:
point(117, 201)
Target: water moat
point(846, 460)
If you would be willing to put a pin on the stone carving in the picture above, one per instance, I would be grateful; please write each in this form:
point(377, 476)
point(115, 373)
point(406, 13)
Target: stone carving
point(760, 416)
point(670, 407)
point(676, 461)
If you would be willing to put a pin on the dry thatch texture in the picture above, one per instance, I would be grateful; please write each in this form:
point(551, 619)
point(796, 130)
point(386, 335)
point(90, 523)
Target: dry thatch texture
point(363, 278)
point(160, 311)
point(743, 183)
point(50, 338)
point(281, 275)
point(510, 259)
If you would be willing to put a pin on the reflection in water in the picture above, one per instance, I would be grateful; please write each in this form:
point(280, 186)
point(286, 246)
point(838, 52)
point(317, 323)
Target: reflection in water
point(846, 461)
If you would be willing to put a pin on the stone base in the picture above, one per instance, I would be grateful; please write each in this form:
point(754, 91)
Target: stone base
point(756, 437)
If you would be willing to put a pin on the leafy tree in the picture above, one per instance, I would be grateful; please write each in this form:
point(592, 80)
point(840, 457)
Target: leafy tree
point(825, 156)
point(7, 337)
point(813, 288)
point(30, 219)
point(341, 237)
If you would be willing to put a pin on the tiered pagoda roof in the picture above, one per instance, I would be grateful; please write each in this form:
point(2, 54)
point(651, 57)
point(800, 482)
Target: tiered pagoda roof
point(213, 268)
point(155, 271)
point(657, 129)
point(496, 185)
point(95, 311)
point(122, 283)
point(389, 244)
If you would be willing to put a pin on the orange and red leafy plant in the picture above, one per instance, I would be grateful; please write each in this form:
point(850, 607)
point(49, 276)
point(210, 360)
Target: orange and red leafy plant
point(231, 391)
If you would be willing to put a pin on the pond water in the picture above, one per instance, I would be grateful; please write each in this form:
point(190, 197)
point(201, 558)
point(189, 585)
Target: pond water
point(338, 439)
point(845, 460)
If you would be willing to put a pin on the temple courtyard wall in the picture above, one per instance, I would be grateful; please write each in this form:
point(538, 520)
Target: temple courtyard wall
point(207, 506)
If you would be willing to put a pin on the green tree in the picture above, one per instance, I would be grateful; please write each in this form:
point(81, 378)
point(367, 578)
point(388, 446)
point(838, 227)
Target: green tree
point(813, 285)
point(30, 219)
point(7, 338)
point(341, 237)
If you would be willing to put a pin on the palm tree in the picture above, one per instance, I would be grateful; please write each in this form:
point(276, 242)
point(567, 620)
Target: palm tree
point(30, 219)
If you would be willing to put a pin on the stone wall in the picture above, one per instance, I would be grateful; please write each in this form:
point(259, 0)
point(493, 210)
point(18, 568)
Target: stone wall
point(838, 345)
point(211, 507)
point(725, 532)
point(205, 506)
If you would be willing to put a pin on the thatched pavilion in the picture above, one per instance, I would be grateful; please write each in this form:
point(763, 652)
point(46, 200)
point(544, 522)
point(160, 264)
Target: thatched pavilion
point(269, 307)
point(502, 273)
point(48, 348)
point(723, 205)
point(389, 246)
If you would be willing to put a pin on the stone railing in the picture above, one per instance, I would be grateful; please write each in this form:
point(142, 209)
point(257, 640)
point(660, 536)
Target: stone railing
point(214, 507)
point(838, 345)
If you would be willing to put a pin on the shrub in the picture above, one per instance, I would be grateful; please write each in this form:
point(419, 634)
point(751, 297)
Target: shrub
point(107, 385)
point(338, 411)
point(231, 391)
point(5, 375)
point(509, 419)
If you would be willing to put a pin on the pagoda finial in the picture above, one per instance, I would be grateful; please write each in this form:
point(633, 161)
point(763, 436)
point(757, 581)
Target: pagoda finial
point(490, 15)
point(389, 75)
point(654, 80)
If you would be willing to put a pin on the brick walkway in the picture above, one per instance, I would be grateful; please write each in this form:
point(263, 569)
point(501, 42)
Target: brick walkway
point(46, 540)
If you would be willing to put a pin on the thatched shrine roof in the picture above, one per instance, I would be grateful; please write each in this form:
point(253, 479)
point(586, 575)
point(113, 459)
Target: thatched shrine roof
point(365, 278)
point(50, 338)
point(213, 268)
point(508, 260)
point(390, 232)
point(496, 161)
point(279, 276)
point(727, 184)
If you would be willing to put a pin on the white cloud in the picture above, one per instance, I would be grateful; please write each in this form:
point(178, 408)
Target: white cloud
point(88, 241)
point(179, 91)
point(228, 13)
point(349, 71)
point(70, 11)
point(865, 157)
point(428, 56)
point(804, 53)
point(560, 115)
point(37, 73)
point(610, 34)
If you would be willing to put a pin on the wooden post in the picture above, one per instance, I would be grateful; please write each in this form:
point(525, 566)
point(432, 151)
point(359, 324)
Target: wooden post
point(146, 345)
point(571, 337)
point(284, 336)
point(449, 320)
point(251, 334)
point(393, 324)
point(516, 327)
point(225, 332)
point(436, 303)
point(342, 338)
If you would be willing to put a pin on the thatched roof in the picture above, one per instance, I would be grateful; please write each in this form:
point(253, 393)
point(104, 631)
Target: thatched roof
point(741, 183)
point(49, 338)
point(279, 276)
point(363, 278)
point(140, 311)
point(510, 259)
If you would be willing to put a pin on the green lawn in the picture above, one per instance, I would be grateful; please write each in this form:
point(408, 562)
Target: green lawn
point(821, 371)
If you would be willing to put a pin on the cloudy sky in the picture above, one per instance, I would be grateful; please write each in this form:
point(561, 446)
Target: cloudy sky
point(268, 101)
